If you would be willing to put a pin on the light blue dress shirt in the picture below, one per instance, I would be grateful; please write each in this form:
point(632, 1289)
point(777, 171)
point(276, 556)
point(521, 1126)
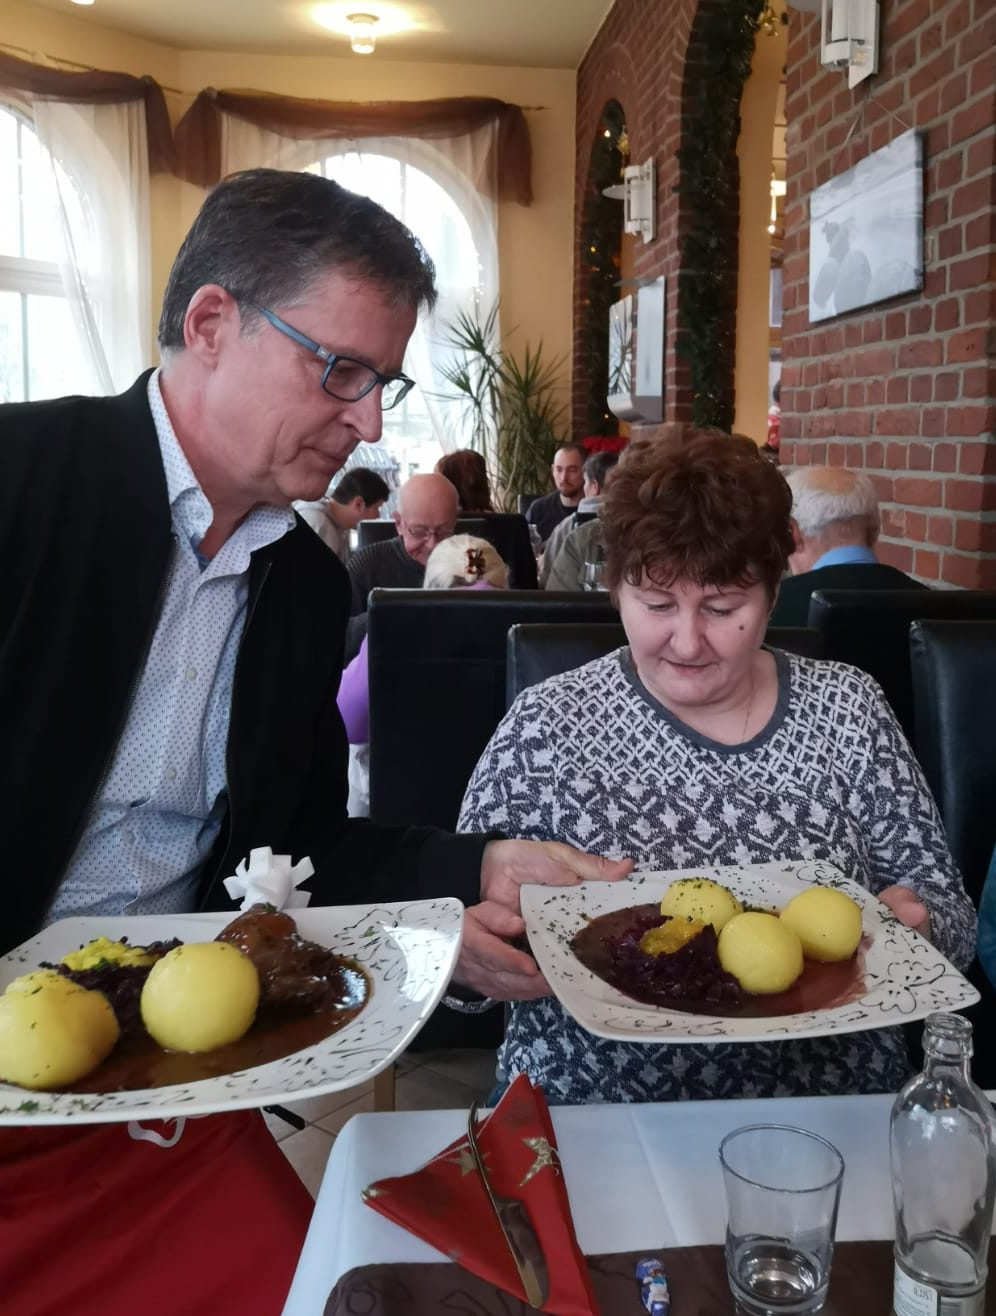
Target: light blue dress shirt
point(161, 802)
point(839, 557)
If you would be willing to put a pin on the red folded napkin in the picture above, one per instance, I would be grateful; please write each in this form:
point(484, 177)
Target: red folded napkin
point(446, 1202)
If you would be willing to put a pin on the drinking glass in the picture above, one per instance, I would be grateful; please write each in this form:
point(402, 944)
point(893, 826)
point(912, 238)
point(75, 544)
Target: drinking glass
point(782, 1194)
point(594, 566)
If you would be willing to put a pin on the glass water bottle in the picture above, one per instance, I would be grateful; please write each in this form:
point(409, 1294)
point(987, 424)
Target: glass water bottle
point(943, 1179)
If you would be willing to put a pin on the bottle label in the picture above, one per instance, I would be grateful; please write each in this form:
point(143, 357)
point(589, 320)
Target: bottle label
point(910, 1297)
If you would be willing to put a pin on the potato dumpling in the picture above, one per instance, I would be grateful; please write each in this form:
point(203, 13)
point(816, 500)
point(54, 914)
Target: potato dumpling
point(827, 922)
point(52, 1031)
point(762, 953)
point(200, 996)
point(701, 899)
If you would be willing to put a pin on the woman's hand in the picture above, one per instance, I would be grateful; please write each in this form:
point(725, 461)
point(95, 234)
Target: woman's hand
point(908, 908)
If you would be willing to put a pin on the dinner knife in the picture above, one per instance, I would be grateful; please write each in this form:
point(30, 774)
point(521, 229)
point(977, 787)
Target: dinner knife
point(515, 1225)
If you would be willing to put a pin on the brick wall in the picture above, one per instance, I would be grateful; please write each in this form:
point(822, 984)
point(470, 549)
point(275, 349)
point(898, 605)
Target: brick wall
point(905, 390)
point(637, 58)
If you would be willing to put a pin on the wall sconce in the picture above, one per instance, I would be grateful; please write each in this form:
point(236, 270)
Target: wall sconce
point(362, 37)
point(849, 37)
point(638, 193)
point(777, 190)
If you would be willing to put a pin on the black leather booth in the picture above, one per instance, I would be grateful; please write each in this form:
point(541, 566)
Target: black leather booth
point(508, 532)
point(372, 532)
point(437, 688)
point(953, 666)
point(870, 628)
point(538, 651)
point(954, 671)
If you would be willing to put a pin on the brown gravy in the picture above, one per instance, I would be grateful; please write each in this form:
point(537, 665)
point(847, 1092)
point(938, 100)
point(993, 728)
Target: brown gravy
point(819, 987)
point(142, 1064)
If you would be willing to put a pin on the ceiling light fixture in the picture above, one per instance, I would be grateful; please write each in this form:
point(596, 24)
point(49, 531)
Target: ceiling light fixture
point(82, 2)
point(362, 37)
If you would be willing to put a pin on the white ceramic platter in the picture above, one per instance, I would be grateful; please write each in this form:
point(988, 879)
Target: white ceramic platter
point(905, 977)
point(408, 951)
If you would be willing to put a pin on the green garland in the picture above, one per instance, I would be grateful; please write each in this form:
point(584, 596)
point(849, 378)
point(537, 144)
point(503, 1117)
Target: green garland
point(710, 187)
point(601, 243)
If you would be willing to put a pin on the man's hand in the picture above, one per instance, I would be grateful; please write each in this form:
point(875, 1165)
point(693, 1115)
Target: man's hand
point(490, 965)
point(508, 864)
point(487, 962)
point(908, 908)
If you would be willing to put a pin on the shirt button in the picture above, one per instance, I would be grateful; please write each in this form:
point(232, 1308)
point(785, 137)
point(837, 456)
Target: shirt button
point(191, 673)
point(171, 775)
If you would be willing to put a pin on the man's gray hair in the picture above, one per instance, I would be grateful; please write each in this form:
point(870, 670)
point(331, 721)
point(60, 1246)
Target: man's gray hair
point(822, 496)
point(265, 236)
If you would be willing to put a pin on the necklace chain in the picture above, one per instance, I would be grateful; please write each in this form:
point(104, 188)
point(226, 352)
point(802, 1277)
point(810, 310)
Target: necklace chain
point(750, 709)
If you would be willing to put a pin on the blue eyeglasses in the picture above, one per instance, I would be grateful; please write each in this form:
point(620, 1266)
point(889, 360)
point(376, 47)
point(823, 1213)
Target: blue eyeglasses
point(343, 377)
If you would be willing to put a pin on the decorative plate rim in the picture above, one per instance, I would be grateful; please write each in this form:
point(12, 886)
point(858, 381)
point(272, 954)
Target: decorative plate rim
point(409, 975)
point(906, 977)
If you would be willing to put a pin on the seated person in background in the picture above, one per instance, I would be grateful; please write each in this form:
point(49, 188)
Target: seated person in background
point(565, 557)
point(357, 497)
point(547, 512)
point(467, 471)
point(461, 562)
point(835, 524)
point(426, 515)
point(773, 438)
point(698, 745)
point(596, 470)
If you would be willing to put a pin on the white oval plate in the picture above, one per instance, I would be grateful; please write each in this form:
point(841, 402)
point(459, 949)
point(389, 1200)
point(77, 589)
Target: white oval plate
point(409, 950)
point(905, 977)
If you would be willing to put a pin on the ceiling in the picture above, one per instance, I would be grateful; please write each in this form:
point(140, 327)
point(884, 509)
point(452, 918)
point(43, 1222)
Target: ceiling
point(530, 33)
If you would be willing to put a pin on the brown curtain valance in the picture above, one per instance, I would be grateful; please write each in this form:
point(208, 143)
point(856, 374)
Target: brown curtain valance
point(198, 134)
point(97, 88)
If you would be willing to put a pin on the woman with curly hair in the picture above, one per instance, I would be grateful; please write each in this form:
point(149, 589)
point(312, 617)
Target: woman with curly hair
point(698, 745)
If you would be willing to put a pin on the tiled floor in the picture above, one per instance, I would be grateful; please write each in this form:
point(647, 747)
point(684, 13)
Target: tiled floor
point(426, 1080)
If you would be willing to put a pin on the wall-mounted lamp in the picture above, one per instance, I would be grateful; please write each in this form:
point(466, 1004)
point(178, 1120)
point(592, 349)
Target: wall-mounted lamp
point(362, 37)
point(638, 193)
point(849, 37)
point(777, 190)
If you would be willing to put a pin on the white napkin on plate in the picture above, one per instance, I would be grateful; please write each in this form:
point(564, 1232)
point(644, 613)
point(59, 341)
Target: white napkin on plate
point(270, 879)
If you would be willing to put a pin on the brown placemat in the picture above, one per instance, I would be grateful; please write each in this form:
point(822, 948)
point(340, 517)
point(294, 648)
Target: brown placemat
point(860, 1285)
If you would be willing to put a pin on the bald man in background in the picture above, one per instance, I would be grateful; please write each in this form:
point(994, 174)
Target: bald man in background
point(428, 506)
point(835, 520)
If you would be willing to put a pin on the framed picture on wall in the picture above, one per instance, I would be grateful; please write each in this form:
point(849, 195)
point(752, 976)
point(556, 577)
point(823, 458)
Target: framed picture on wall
point(866, 231)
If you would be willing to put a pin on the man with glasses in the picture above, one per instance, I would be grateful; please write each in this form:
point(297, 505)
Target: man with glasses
point(172, 641)
point(427, 514)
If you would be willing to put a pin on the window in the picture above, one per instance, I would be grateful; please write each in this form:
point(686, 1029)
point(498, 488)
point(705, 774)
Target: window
point(40, 350)
point(433, 215)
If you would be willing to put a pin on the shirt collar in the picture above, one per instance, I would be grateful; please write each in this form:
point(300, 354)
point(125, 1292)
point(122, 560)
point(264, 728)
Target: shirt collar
point(848, 555)
point(192, 513)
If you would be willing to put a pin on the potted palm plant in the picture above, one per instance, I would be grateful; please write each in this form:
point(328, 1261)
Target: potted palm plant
point(511, 405)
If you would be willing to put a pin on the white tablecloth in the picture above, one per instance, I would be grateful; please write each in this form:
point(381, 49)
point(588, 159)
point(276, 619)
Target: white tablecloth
point(639, 1177)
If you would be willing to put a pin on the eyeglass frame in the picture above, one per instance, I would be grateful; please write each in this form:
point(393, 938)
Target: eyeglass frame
point(332, 359)
point(423, 533)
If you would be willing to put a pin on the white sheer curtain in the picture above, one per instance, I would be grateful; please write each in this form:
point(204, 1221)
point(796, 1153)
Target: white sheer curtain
point(444, 190)
point(100, 171)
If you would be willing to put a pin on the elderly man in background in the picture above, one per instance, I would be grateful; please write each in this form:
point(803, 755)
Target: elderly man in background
point(357, 497)
point(172, 644)
point(567, 572)
point(835, 522)
point(427, 514)
point(547, 512)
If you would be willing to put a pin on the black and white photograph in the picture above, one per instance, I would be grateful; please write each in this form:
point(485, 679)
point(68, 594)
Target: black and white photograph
point(866, 231)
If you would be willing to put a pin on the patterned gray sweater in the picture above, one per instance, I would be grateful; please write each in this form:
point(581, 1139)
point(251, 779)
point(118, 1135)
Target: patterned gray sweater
point(591, 758)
